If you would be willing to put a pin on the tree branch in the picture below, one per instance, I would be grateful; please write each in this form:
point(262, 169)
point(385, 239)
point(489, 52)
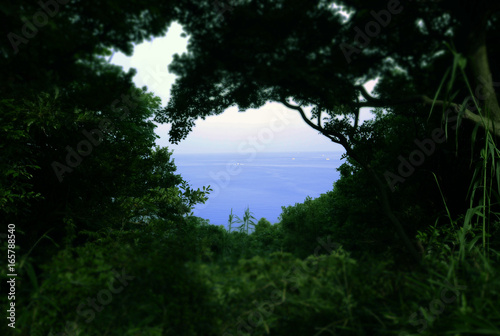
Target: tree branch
point(487, 123)
point(319, 118)
point(342, 140)
point(326, 133)
point(356, 117)
point(365, 93)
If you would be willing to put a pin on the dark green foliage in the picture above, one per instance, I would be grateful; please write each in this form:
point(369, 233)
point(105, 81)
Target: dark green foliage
point(267, 237)
point(16, 167)
point(168, 293)
point(262, 225)
point(304, 223)
point(337, 264)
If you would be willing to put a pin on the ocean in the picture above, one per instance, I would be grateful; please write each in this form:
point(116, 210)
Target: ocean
point(264, 182)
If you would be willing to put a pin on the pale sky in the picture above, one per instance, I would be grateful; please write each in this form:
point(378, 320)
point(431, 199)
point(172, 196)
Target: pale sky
point(272, 128)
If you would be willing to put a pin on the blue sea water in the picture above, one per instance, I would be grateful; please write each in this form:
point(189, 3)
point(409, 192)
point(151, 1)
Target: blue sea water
point(264, 182)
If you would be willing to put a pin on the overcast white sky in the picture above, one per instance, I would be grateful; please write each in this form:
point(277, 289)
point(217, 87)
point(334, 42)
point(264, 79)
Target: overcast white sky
point(272, 128)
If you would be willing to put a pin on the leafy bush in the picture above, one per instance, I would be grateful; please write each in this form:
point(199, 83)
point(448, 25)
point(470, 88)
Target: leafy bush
point(159, 290)
point(304, 222)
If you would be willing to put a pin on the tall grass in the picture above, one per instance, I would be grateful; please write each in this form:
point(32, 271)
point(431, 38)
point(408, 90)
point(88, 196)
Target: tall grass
point(470, 263)
point(247, 221)
point(482, 188)
point(231, 221)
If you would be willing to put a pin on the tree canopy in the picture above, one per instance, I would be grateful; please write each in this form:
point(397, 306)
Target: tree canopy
point(77, 137)
point(317, 55)
point(101, 234)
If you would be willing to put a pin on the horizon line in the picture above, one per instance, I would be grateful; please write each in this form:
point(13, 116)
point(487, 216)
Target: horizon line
point(294, 152)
